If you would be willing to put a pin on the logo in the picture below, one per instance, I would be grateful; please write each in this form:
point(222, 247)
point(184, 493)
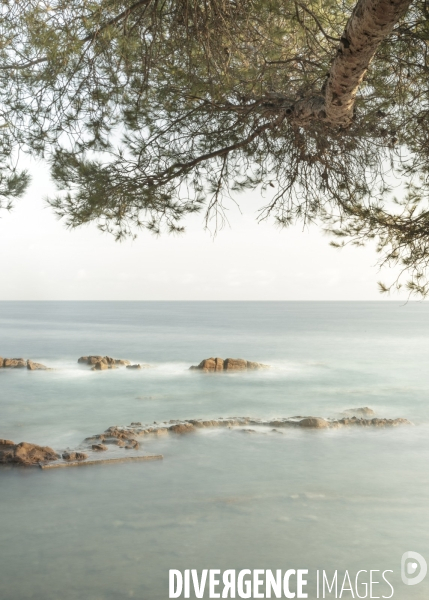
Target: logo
point(413, 564)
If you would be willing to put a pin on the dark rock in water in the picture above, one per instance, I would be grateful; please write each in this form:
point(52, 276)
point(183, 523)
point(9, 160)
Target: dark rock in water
point(14, 363)
point(26, 454)
point(34, 366)
point(229, 364)
point(105, 360)
point(99, 447)
point(134, 366)
point(74, 456)
point(314, 422)
point(182, 428)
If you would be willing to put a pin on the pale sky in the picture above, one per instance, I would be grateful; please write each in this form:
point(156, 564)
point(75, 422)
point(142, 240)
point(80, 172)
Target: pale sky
point(42, 260)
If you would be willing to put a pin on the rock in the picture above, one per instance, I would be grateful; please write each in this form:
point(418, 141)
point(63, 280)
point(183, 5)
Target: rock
point(34, 366)
point(7, 443)
point(364, 411)
point(229, 364)
point(132, 445)
point(235, 364)
point(100, 366)
point(14, 363)
point(314, 423)
point(93, 360)
point(106, 360)
point(99, 447)
point(26, 454)
point(1, 362)
point(182, 428)
point(134, 366)
point(74, 456)
point(103, 366)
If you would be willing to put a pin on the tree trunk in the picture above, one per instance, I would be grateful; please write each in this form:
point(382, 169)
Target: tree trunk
point(370, 23)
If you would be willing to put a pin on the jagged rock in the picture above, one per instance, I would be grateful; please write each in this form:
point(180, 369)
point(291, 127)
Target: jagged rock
point(99, 447)
point(14, 363)
point(74, 456)
point(134, 366)
point(25, 453)
point(229, 364)
point(34, 366)
point(314, 423)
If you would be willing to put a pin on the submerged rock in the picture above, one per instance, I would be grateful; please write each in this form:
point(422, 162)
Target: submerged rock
point(228, 364)
point(134, 366)
point(363, 411)
point(25, 453)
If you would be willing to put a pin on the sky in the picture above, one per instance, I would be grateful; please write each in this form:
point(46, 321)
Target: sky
point(42, 260)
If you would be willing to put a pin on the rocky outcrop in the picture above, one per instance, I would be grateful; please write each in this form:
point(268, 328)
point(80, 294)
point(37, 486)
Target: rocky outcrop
point(102, 366)
point(228, 364)
point(25, 453)
point(134, 366)
point(34, 366)
point(127, 437)
point(182, 428)
point(14, 363)
point(21, 363)
point(106, 360)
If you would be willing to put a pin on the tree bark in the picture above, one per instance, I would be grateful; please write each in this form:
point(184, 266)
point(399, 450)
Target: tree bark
point(370, 23)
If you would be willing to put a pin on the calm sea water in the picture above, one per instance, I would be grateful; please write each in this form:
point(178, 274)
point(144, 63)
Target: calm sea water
point(341, 499)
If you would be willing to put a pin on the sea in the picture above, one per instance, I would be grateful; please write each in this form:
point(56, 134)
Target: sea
point(350, 499)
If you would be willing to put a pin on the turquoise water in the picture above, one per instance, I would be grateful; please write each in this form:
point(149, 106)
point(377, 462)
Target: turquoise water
point(340, 499)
